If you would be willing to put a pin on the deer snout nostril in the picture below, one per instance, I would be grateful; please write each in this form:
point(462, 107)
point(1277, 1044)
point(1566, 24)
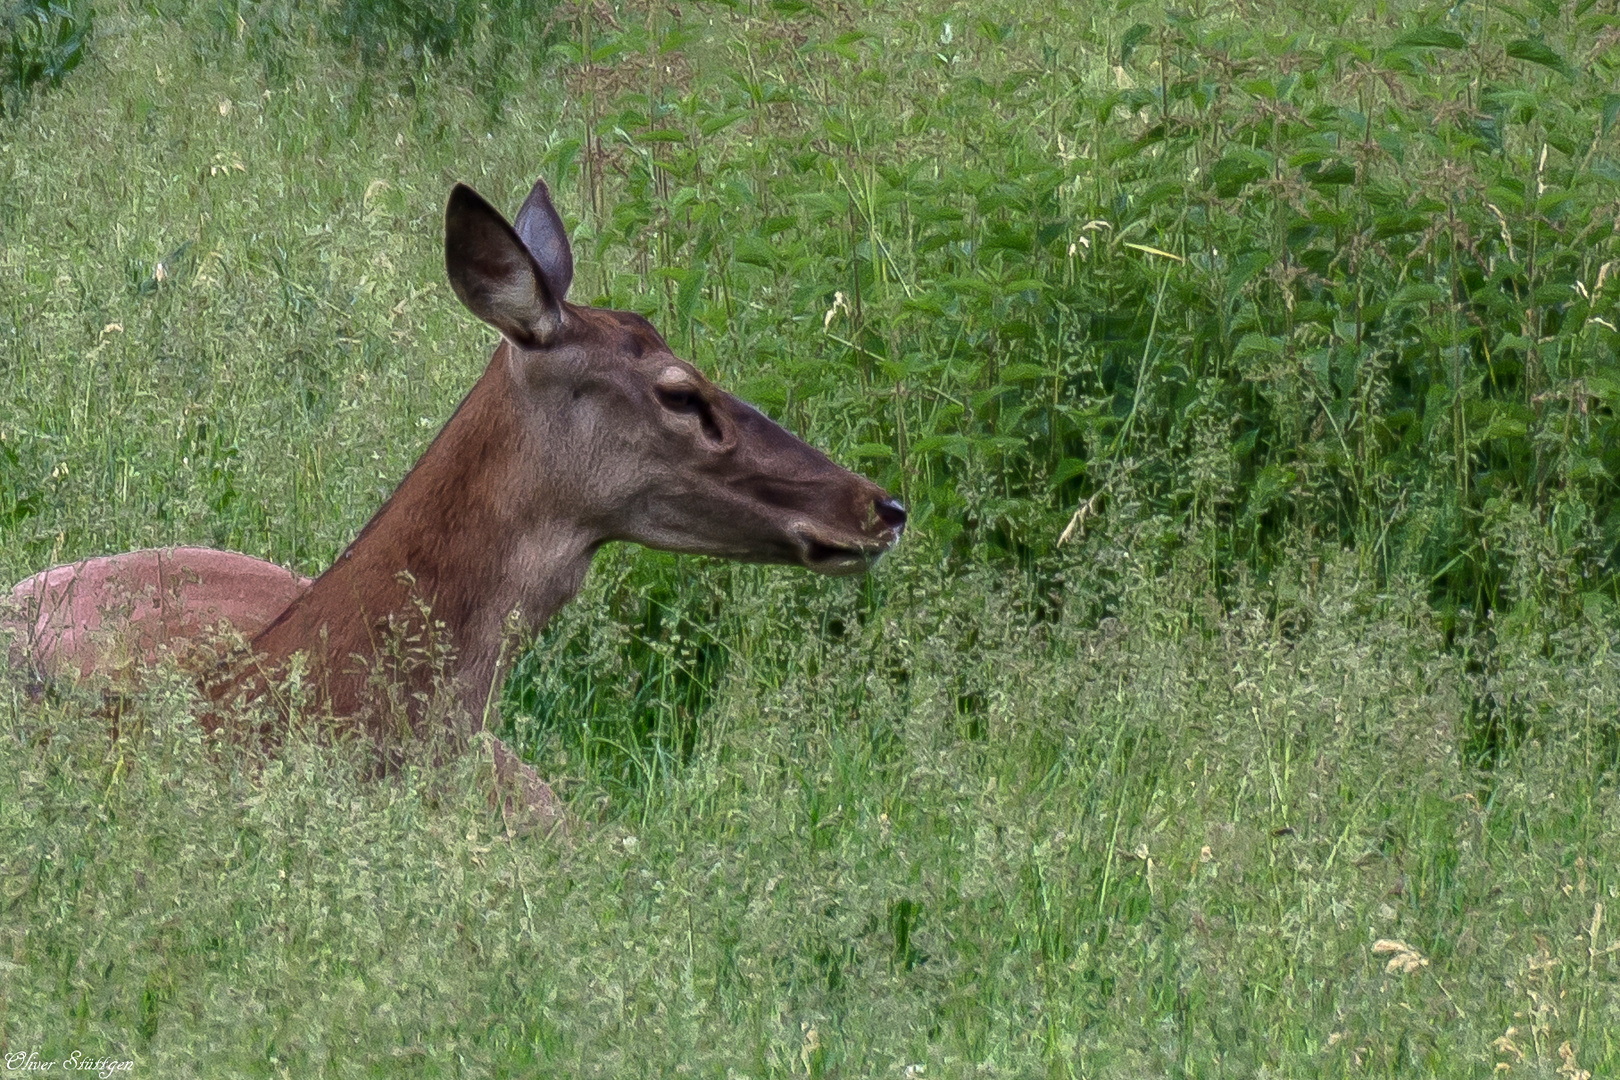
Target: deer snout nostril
point(891, 513)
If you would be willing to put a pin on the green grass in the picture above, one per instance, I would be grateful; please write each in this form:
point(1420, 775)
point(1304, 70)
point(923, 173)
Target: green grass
point(1329, 662)
point(947, 839)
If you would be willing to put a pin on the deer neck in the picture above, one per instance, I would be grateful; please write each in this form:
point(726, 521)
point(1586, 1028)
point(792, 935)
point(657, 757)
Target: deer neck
point(468, 541)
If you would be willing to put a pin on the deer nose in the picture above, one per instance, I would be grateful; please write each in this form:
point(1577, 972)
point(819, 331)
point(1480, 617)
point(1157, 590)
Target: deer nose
point(891, 513)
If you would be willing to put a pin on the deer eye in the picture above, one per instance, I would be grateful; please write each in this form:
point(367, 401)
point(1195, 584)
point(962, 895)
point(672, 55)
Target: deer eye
point(680, 400)
point(688, 402)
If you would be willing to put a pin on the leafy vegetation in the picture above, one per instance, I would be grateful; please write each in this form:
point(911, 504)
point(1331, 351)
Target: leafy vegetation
point(1290, 271)
point(40, 42)
point(1243, 696)
point(1271, 277)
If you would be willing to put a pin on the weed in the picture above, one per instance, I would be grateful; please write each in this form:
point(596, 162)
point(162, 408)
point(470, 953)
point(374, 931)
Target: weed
point(40, 42)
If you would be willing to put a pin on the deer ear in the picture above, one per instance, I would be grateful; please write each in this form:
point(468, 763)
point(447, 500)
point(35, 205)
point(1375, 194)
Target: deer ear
point(494, 274)
point(540, 228)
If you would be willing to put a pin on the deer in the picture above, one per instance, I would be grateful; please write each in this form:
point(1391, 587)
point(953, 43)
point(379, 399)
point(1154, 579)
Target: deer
point(585, 429)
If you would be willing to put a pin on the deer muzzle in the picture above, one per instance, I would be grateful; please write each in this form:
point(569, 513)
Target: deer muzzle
point(839, 556)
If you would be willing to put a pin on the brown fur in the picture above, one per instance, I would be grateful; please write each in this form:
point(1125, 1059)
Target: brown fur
point(118, 612)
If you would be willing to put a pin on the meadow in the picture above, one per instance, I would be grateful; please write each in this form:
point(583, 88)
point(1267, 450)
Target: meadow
point(1243, 699)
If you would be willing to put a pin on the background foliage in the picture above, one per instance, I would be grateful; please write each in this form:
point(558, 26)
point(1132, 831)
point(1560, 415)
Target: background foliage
point(40, 42)
point(1269, 278)
point(1249, 371)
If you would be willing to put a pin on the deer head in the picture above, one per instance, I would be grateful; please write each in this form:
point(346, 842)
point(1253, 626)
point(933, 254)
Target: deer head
point(641, 446)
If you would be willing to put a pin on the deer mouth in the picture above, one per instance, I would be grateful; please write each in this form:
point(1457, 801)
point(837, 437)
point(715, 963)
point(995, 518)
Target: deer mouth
point(837, 558)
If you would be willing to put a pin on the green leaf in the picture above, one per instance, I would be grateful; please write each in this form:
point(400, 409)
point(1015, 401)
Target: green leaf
point(955, 445)
point(1270, 487)
point(721, 122)
point(1164, 189)
point(1026, 285)
point(771, 226)
point(1606, 387)
point(677, 39)
point(1388, 225)
point(561, 157)
point(754, 252)
point(1132, 38)
point(1003, 239)
point(1257, 345)
point(1611, 111)
point(1236, 170)
point(1418, 294)
point(1553, 292)
point(933, 213)
point(995, 32)
point(1538, 52)
point(1244, 267)
point(926, 303)
point(1504, 427)
point(1067, 470)
point(689, 291)
point(1335, 175)
point(967, 285)
point(1431, 37)
point(608, 49)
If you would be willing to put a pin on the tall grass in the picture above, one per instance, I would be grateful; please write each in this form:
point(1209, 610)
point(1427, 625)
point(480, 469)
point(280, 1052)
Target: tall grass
point(936, 840)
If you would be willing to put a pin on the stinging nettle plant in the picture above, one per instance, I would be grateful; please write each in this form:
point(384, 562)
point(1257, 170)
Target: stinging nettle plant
point(1231, 285)
point(1360, 255)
